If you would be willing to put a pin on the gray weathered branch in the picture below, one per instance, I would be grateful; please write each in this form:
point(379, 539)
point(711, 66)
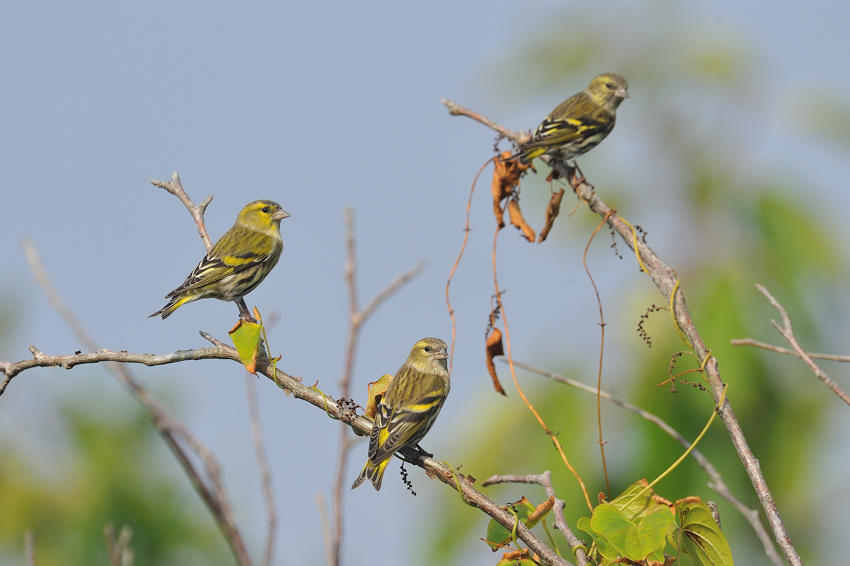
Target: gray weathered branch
point(667, 282)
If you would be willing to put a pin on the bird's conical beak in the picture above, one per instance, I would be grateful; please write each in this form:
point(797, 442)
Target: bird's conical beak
point(621, 93)
point(281, 214)
point(442, 354)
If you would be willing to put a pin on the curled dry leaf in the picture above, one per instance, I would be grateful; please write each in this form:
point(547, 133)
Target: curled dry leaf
point(376, 393)
point(552, 210)
point(658, 499)
point(518, 558)
point(495, 348)
point(518, 221)
point(540, 511)
point(506, 176)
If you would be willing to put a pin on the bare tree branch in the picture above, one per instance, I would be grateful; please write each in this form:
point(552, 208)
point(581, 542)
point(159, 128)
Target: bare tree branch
point(545, 479)
point(30, 552)
point(667, 282)
point(363, 425)
point(716, 483)
point(170, 429)
point(772, 348)
point(119, 551)
point(175, 187)
point(40, 359)
point(787, 332)
point(263, 461)
point(357, 318)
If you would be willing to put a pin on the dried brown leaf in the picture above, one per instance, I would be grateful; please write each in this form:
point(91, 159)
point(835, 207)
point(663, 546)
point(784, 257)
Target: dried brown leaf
point(552, 210)
point(495, 348)
point(540, 511)
point(671, 505)
point(518, 221)
point(376, 392)
point(506, 176)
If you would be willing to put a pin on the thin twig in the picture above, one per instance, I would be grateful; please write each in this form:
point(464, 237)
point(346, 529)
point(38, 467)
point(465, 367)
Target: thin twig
point(780, 350)
point(30, 551)
point(118, 551)
point(458, 110)
point(717, 484)
point(175, 187)
point(327, 536)
point(213, 495)
point(545, 480)
point(787, 332)
point(265, 470)
point(466, 230)
point(357, 318)
point(552, 435)
point(667, 282)
point(602, 326)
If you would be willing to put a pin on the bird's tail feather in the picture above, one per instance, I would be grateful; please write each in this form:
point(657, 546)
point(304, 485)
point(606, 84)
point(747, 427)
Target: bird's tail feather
point(172, 306)
point(373, 473)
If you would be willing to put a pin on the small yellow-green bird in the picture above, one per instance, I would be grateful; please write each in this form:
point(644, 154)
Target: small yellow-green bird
point(579, 123)
point(410, 406)
point(237, 263)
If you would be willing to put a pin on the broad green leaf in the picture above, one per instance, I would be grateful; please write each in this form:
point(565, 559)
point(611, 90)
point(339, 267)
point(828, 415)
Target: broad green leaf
point(497, 535)
point(647, 538)
point(246, 337)
point(612, 529)
point(633, 526)
point(635, 501)
point(584, 524)
point(701, 538)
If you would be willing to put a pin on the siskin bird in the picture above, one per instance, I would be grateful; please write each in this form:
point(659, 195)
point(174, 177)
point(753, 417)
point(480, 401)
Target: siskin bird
point(410, 406)
point(579, 123)
point(238, 262)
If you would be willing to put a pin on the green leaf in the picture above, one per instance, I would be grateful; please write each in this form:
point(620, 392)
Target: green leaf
point(701, 538)
point(497, 535)
point(648, 538)
point(636, 500)
point(612, 530)
point(246, 337)
point(633, 526)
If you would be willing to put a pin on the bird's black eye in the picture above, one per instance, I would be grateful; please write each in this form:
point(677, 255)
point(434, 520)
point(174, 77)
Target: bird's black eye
point(265, 209)
point(427, 348)
point(609, 85)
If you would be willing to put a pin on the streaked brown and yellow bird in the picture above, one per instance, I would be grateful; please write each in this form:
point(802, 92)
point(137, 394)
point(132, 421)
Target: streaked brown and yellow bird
point(237, 263)
point(409, 408)
point(579, 123)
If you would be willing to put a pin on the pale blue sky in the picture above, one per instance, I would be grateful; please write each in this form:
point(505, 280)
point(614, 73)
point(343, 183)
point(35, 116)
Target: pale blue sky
point(318, 106)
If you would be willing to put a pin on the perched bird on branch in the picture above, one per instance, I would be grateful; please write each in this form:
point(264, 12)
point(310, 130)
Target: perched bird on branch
point(409, 407)
point(579, 123)
point(237, 263)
